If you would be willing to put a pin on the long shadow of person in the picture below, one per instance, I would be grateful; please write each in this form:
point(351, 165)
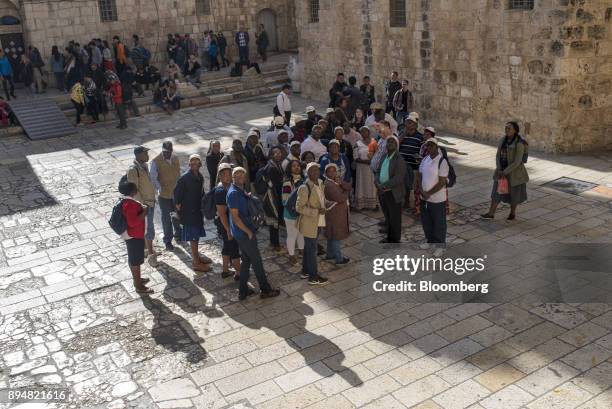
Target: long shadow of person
point(173, 332)
point(318, 352)
point(182, 291)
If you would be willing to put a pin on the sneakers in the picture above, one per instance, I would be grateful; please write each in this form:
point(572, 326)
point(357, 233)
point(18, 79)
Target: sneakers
point(438, 252)
point(152, 260)
point(318, 280)
point(344, 261)
point(424, 246)
point(303, 276)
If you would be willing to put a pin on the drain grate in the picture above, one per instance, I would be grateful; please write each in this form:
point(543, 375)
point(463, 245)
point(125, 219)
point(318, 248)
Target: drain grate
point(570, 185)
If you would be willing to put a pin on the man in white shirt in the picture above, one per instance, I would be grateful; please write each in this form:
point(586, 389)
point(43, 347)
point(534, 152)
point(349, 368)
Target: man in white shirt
point(378, 114)
point(431, 179)
point(313, 143)
point(283, 104)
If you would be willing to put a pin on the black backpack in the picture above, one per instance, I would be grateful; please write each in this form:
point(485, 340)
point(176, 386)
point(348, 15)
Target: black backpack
point(452, 176)
point(209, 207)
point(256, 211)
point(117, 220)
point(292, 200)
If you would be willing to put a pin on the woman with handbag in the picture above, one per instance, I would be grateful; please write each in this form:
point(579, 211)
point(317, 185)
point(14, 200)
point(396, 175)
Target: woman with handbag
point(510, 177)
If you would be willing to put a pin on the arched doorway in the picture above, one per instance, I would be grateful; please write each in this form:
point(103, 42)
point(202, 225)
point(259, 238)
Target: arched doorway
point(11, 35)
point(268, 19)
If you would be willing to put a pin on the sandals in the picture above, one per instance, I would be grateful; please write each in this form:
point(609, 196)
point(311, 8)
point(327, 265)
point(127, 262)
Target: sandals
point(143, 290)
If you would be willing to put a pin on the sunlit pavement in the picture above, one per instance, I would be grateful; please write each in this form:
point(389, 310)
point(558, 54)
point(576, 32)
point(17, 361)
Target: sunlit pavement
point(69, 316)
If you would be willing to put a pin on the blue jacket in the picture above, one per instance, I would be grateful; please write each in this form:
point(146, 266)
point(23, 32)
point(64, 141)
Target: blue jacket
point(342, 163)
point(5, 66)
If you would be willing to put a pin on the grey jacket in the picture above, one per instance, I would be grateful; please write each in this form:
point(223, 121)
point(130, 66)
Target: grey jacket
point(397, 171)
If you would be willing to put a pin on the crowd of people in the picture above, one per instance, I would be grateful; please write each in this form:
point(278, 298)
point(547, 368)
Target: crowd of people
point(303, 182)
point(100, 75)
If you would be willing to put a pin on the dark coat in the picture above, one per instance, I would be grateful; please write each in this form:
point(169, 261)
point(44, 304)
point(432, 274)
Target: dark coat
point(337, 219)
point(188, 193)
point(397, 171)
point(212, 164)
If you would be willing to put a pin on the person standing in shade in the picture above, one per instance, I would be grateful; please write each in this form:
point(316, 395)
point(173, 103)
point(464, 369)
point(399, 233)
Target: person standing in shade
point(237, 158)
point(77, 97)
point(365, 190)
point(403, 102)
point(188, 202)
point(56, 62)
point(262, 42)
point(120, 55)
point(213, 158)
point(433, 173)
point(6, 73)
point(336, 191)
point(283, 104)
point(222, 43)
point(310, 206)
point(230, 252)
point(293, 180)
point(367, 89)
point(391, 190)
point(244, 232)
point(269, 186)
point(165, 172)
point(138, 173)
point(510, 163)
point(135, 214)
point(336, 91)
point(392, 87)
point(411, 141)
point(242, 41)
point(255, 153)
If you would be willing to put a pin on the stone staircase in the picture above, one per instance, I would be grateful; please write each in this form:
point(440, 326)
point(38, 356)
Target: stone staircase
point(217, 88)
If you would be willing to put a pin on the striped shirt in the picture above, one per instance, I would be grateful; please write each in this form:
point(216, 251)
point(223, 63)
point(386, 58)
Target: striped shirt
point(410, 148)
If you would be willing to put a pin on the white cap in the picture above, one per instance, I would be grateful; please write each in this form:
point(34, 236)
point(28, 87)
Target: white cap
point(413, 116)
point(331, 165)
point(195, 156)
point(338, 128)
point(279, 120)
point(311, 164)
point(293, 143)
point(223, 166)
point(283, 131)
point(431, 140)
point(431, 129)
point(238, 169)
point(310, 108)
point(337, 142)
point(329, 110)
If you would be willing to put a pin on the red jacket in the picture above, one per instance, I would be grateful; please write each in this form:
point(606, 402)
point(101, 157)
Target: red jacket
point(116, 92)
point(136, 226)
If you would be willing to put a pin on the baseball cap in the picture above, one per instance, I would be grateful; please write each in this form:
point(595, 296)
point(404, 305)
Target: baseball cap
point(294, 143)
point(413, 116)
point(223, 166)
point(167, 146)
point(337, 142)
point(329, 110)
point(238, 169)
point(311, 164)
point(195, 156)
point(140, 149)
point(283, 131)
point(431, 129)
point(310, 108)
point(279, 120)
point(432, 140)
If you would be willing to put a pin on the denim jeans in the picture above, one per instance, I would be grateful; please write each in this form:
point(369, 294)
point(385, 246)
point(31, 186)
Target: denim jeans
point(150, 233)
point(309, 260)
point(333, 250)
point(249, 255)
point(166, 206)
point(433, 218)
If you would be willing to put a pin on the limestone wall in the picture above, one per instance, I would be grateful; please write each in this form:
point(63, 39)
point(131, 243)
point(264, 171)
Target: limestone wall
point(476, 65)
point(55, 22)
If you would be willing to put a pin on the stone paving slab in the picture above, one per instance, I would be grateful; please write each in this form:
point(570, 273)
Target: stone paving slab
point(69, 316)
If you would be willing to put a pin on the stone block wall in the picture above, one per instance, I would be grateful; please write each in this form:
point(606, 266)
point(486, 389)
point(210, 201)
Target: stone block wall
point(55, 22)
point(474, 65)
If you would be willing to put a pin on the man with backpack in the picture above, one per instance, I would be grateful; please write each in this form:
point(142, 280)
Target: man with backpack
point(138, 174)
point(431, 180)
point(244, 230)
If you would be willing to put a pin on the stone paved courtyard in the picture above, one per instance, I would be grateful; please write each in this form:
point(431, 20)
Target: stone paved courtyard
point(69, 315)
